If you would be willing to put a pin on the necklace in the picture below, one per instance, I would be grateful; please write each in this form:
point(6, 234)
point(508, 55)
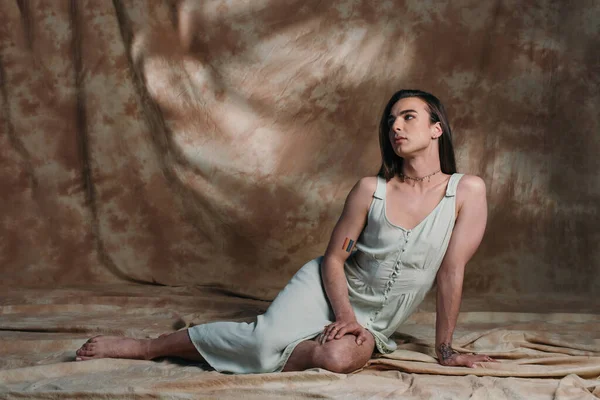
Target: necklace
point(428, 177)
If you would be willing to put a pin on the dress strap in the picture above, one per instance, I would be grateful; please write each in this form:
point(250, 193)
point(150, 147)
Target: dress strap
point(380, 190)
point(453, 184)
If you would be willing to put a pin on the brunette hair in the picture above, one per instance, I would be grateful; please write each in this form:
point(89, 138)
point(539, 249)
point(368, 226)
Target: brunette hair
point(391, 164)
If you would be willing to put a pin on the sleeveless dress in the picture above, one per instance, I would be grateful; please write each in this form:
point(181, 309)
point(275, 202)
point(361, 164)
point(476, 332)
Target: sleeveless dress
point(388, 275)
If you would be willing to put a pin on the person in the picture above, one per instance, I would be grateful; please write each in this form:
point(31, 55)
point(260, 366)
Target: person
point(417, 222)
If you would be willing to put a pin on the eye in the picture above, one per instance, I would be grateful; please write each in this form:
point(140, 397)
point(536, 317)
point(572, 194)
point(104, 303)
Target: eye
point(408, 117)
point(390, 121)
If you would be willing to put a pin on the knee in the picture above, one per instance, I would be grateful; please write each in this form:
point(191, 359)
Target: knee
point(339, 361)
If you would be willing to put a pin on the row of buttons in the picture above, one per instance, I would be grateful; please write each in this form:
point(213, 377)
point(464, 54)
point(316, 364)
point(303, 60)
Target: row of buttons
point(390, 282)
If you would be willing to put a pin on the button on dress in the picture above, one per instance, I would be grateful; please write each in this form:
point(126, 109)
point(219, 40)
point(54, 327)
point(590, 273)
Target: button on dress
point(388, 275)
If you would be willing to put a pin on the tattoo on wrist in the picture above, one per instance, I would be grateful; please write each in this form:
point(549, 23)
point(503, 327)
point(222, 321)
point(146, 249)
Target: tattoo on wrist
point(446, 351)
point(348, 243)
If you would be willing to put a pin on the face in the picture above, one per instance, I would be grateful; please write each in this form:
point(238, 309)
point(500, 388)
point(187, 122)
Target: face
point(411, 131)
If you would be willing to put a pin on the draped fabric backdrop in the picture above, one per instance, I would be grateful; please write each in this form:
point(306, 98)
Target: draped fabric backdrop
point(212, 143)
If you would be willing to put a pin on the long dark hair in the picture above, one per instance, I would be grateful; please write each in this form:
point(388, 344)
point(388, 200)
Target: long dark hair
point(391, 164)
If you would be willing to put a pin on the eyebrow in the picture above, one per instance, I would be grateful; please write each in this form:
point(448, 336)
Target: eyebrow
point(405, 111)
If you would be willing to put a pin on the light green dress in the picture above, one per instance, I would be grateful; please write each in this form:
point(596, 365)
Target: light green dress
point(388, 276)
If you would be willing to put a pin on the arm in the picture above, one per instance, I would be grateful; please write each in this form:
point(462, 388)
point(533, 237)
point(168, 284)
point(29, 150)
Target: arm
point(466, 237)
point(349, 226)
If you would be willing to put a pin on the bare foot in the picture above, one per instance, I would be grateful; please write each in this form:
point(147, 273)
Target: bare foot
point(113, 347)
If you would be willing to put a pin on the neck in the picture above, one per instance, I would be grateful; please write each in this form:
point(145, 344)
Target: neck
point(418, 168)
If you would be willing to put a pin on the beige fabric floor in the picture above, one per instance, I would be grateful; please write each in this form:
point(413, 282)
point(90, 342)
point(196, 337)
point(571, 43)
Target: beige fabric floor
point(542, 355)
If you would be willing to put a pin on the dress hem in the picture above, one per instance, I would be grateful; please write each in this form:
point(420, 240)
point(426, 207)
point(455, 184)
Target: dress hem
point(289, 349)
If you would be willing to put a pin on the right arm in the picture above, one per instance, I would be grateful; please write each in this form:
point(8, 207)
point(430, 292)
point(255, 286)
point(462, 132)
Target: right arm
point(348, 227)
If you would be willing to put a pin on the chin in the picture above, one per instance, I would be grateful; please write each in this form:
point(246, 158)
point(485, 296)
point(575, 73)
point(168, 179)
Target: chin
point(400, 153)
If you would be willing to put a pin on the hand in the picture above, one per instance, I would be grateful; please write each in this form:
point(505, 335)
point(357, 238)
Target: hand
point(465, 360)
point(338, 329)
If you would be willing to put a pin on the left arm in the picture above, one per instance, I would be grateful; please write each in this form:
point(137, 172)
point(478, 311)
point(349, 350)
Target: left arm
point(466, 237)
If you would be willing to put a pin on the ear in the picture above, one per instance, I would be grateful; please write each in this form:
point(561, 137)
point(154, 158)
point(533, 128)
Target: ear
point(436, 130)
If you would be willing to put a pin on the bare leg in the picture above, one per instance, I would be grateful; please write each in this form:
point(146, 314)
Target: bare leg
point(341, 355)
point(302, 356)
point(177, 344)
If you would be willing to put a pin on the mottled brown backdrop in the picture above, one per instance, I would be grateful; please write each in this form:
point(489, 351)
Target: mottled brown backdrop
point(213, 142)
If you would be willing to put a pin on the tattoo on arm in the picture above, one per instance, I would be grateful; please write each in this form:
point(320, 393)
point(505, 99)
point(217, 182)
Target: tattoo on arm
point(446, 351)
point(348, 243)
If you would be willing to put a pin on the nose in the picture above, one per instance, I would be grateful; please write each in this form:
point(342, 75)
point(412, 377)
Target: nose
point(397, 125)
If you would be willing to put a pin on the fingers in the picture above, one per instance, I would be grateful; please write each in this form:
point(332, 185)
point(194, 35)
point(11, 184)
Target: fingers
point(339, 330)
point(484, 358)
point(322, 338)
point(361, 337)
point(333, 332)
point(329, 333)
point(468, 360)
point(463, 360)
point(477, 363)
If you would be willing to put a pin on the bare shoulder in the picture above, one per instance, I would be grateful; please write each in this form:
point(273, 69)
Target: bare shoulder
point(471, 186)
point(470, 193)
point(366, 186)
point(361, 194)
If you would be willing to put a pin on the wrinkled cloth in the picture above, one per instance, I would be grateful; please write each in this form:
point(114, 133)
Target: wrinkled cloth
point(213, 142)
point(548, 349)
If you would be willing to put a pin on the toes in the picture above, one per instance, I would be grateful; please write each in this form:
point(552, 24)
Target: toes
point(95, 339)
point(86, 353)
point(82, 358)
point(88, 346)
point(83, 349)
